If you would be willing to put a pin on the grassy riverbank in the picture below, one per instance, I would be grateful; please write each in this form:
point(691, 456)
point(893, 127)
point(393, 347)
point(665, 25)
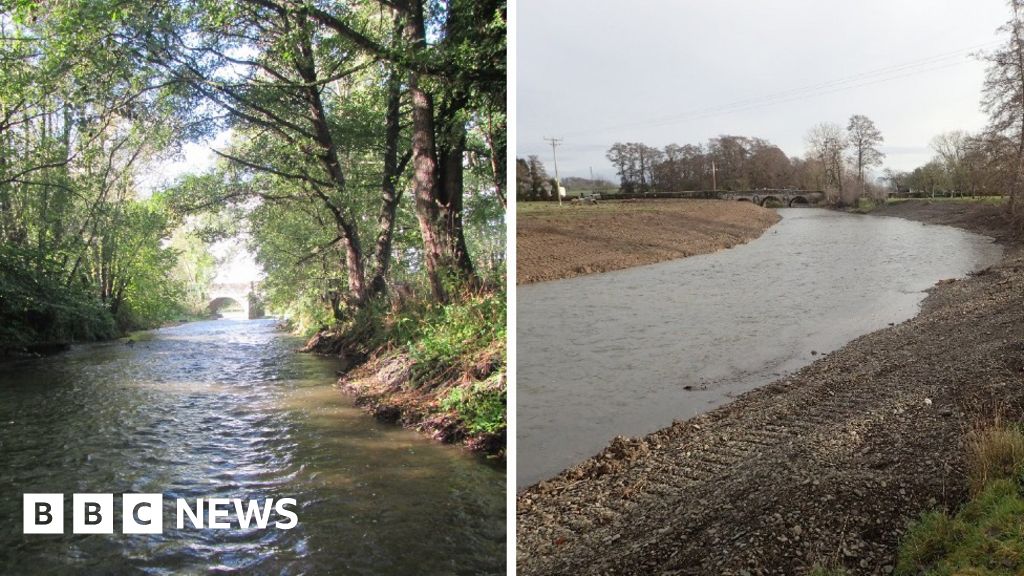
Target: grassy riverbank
point(438, 369)
point(825, 467)
point(556, 242)
point(985, 536)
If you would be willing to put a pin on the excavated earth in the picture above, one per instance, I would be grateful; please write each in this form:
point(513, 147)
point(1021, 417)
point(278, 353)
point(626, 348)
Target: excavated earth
point(824, 467)
point(555, 242)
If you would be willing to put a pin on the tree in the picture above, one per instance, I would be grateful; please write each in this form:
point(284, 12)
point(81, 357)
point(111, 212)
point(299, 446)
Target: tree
point(952, 150)
point(929, 179)
point(897, 180)
point(523, 180)
point(826, 143)
point(538, 178)
point(863, 137)
point(1003, 100)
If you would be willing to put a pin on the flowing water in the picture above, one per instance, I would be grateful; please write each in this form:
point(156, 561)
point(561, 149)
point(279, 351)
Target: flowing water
point(227, 409)
point(627, 352)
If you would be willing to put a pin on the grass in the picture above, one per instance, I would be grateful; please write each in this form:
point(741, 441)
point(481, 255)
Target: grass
point(609, 205)
point(986, 536)
point(993, 453)
point(868, 205)
point(482, 406)
point(953, 200)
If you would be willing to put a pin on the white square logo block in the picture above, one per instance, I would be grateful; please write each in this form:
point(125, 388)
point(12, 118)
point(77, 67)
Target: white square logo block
point(142, 514)
point(93, 514)
point(43, 514)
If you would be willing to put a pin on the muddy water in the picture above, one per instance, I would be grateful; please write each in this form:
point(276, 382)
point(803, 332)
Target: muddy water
point(627, 352)
point(228, 409)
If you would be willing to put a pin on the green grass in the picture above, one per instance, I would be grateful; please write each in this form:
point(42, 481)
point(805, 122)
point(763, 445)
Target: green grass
point(954, 200)
point(986, 536)
point(482, 406)
point(868, 205)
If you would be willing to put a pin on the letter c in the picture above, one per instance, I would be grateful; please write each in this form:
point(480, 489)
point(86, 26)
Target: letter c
point(135, 514)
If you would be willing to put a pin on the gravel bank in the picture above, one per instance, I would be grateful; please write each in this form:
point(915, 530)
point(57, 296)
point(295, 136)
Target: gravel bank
point(825, 466)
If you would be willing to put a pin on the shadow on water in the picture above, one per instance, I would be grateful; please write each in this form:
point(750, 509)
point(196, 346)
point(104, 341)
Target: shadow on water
point(227, 409)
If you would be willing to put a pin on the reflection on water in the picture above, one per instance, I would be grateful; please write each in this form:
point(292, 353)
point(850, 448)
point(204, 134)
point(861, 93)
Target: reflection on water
point(227, 409)
point(626, 352)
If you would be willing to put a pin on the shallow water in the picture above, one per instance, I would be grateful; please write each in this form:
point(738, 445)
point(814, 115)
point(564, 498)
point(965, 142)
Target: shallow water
point(613, 354)
point(227, 409)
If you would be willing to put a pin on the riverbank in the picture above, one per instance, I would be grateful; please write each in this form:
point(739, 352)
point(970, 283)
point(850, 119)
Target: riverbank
point(437, 369)
point(555, 242)
point(824, 467)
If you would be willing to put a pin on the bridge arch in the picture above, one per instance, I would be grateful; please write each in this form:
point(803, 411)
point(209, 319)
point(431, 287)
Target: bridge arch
point(767, 199)
point(221, 295)
point(218, 303)
point(799, 200)
point(743, 199)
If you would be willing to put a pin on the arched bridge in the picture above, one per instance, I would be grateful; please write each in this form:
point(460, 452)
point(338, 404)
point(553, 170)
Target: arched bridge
point(784, 197)
point(222, 294)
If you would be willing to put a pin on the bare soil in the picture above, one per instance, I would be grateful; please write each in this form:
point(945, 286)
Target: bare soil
point(555, 242)
point(824, 467)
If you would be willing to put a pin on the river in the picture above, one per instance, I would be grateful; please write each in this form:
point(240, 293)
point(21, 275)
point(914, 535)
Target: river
point(227, 408)
point(627, 352)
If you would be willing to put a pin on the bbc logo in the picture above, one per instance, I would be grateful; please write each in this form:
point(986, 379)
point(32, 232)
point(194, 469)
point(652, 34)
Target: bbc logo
point(93, 514)
point(144, 513)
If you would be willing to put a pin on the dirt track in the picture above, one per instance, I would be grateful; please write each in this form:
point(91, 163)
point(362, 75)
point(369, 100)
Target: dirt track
point(561, 242)
point(826, 466)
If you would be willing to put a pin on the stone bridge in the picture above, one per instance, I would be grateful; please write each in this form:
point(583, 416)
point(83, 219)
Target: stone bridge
point(787, 198)
point(222, 294)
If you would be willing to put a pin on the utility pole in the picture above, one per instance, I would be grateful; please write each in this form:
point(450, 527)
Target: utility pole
point(558, 182)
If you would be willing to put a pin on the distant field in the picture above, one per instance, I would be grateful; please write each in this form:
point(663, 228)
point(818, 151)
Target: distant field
point(564, 241)
point(569, 210)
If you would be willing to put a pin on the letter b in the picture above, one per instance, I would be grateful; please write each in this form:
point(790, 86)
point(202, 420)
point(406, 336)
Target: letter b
point(43, 514)
point(93, 514)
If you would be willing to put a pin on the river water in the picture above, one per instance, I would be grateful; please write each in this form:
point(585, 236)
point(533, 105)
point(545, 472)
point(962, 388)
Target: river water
point(627, 352)
point(227, 409)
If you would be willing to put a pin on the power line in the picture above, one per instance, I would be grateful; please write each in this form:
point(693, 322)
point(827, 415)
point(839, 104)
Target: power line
point(884, 74)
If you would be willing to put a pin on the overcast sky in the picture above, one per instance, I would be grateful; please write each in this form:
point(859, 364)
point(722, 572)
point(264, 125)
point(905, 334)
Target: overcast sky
point(596, 72)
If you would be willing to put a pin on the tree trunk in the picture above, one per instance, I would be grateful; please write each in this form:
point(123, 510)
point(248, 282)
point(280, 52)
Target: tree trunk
point(390, 195)
point(452, 188)
point(439, 217)
point(306, 67)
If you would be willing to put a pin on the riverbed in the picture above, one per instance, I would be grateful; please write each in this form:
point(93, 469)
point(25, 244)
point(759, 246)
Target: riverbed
point(228, 409)
point(627, 352)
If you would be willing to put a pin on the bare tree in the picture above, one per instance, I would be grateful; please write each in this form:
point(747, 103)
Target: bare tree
point(1003, 99)
point(863, 137)
point(825, 143)
point(952, 150)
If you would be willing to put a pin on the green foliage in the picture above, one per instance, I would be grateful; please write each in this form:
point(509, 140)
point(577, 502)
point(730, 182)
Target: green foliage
point(482, 406)
point(440, 337)
point(986, 537)
point(36, 308)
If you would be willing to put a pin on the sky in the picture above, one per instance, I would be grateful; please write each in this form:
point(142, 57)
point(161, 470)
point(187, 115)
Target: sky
point(235, 263)
point(596, 72)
